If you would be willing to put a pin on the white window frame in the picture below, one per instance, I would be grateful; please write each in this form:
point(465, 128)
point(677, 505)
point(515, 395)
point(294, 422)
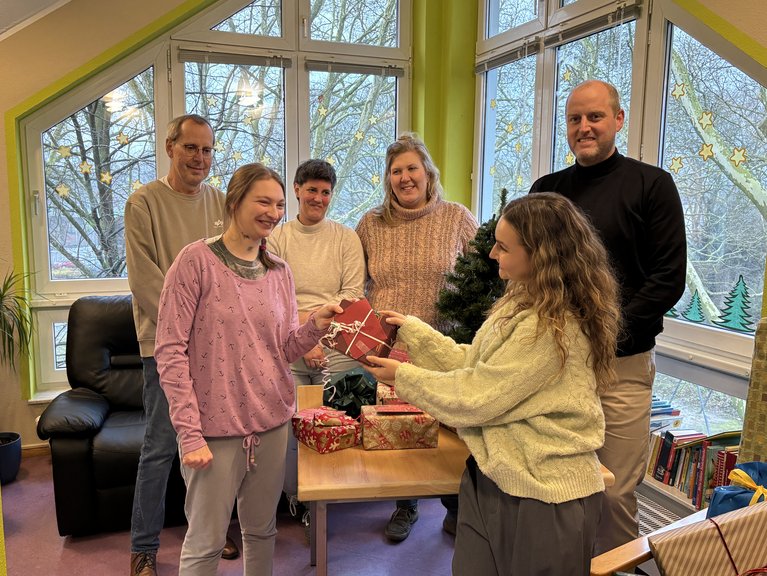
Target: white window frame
point(51, 299)
point(714, 358)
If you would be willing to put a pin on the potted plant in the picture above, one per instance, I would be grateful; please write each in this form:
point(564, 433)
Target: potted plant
point(15, 338)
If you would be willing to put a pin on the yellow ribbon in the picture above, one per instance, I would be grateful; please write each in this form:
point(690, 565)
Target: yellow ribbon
point(738, 477)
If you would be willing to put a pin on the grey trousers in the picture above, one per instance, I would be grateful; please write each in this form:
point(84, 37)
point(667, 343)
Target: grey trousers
point(211, 493)
point(502, 535)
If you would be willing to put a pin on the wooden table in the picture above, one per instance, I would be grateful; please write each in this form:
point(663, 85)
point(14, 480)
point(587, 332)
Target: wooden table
point(355, 474)
point(633, 553)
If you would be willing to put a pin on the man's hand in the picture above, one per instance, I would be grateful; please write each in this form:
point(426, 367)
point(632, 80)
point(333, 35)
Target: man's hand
point(200, 458)
point(384, 369)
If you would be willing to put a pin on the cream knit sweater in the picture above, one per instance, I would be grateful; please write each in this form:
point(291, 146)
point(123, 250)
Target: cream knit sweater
point(532, 428)
point(407, 262)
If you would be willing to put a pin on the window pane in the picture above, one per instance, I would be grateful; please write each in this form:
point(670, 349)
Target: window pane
point(352, 121)
point(503, 15)
point(92, 161)
point(246, 106)
point(715, 145)
point(260, 18)
point(701, 408)
point(370, 22)
point(59, 345)
point(508, 147)
point(606, 56)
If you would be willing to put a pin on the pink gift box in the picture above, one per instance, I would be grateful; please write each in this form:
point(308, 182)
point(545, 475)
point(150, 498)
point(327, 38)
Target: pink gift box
point(396, 427)
point(326, 430)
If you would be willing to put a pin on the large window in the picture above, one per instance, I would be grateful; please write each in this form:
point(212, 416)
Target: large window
point(690, 108)
point(280, 81)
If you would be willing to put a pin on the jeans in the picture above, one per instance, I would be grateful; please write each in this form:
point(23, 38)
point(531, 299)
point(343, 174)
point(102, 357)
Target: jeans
point(157, 454)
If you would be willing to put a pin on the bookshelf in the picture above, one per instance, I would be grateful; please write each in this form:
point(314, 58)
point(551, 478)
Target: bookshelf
point(676, 496)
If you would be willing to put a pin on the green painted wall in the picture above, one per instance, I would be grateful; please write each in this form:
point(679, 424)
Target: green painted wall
point(444, 85)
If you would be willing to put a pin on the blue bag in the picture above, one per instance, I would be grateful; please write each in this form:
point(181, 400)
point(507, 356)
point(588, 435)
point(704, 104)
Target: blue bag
point(748, 481)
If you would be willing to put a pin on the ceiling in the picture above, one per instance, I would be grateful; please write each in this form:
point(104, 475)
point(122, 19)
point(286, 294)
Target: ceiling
point(16, 14)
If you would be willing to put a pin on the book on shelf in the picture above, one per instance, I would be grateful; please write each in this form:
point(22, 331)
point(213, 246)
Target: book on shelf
point(667, 450)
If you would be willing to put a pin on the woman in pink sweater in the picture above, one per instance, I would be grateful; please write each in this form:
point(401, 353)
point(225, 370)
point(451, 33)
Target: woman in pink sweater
point(227, 332)
point(410, 242)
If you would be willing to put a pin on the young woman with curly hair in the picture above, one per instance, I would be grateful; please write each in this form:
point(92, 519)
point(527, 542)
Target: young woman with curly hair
point(524, 395)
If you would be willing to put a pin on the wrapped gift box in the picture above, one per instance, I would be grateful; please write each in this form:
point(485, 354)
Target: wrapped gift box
point(359, 332)
point(325, 429)
point(700, 549)
point(385, 395)
point(397, 426)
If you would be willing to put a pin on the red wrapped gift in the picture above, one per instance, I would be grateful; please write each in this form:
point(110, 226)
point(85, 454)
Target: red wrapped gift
point(326, 430)
point(385, 395)
point(397, 426)
point(359, 332)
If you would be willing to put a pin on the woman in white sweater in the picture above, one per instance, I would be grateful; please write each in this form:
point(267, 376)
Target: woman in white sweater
point(524, 395)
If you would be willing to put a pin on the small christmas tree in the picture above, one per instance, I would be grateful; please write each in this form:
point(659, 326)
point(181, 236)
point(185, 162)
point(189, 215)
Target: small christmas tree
point(473, 286)
point(694, 310)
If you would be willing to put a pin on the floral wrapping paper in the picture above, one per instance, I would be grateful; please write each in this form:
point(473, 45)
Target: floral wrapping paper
point(700, 550)
point(385, 395)
point(397, 427)
point(325, 429)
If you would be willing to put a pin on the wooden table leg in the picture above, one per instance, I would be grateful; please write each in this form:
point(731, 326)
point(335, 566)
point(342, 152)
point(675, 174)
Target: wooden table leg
point(319, 527)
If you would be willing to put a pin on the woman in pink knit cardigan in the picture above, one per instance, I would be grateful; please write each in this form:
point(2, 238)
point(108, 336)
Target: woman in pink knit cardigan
point(410, 241)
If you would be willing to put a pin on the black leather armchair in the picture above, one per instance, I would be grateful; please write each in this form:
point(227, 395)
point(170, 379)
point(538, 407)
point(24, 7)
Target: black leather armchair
point(97, 428)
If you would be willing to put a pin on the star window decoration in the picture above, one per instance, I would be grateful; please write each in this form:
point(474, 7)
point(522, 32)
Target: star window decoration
point(706, 151)
point(106, 178)
point(136, 185)
point(215, 181)
point(567, 75)
point(85, 167)
point(706, 119)
point(322, 111)
point(372, 141)
point(63, 190)
point(330, 160)
point(373, 119)
point(569, 158)
point(212, 101)
point(509, 128)
point(493, 103)
point(518, 147)
point(676, 164)
point(679, 91)
point(492, 170)
point(219, 147)
point(64, 151)
point(122, 138)
point(738, 156)
point(375, 179)
point(237, 156)
point(358, 135)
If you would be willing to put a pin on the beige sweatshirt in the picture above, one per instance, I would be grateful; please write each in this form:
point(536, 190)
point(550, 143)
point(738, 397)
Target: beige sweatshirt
point(159, 222)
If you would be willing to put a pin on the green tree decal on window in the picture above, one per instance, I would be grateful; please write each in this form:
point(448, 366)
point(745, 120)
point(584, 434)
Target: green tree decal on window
point(735, 315)
point(694, 311)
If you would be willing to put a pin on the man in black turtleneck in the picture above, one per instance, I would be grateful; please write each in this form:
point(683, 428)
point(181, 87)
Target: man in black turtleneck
point(637, 211)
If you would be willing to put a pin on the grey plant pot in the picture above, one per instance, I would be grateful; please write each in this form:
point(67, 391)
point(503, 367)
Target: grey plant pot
point(10, 456)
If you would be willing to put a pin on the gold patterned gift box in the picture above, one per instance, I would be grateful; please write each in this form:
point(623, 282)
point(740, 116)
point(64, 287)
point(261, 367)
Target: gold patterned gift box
point(726, 545)
point(325, 429)
point(396, 427)
point(385, 395)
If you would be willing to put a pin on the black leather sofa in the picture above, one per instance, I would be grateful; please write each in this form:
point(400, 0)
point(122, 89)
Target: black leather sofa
point(96, 429)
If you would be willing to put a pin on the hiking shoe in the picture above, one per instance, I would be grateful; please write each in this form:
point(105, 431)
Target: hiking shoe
point(143, 564)
point(401, 523)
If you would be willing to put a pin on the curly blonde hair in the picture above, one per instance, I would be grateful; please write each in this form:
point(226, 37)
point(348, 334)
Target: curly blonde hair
point(570, 274)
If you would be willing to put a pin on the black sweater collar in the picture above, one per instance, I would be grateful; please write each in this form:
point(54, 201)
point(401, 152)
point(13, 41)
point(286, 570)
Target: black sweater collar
point(599, 170)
